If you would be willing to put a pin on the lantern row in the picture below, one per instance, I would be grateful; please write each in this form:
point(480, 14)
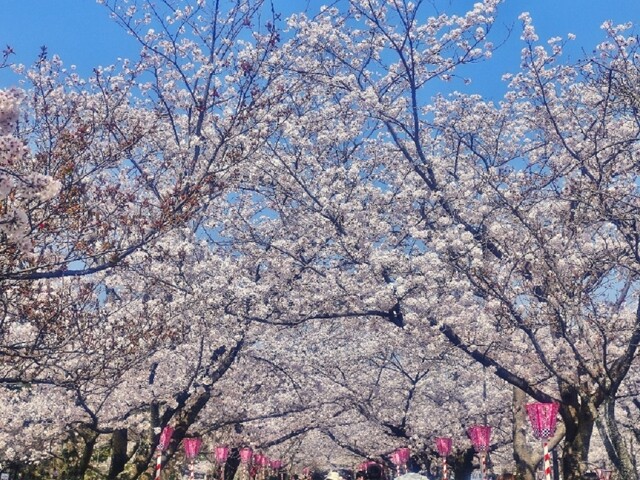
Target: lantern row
point(542, 416)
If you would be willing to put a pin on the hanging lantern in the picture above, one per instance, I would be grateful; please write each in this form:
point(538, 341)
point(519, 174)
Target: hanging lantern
point(480, 436)
point(443, 445)
point(222, 453)
point(260, 460)
point(276, 466)
point(191, 449)
point(399, 458)
point(404, 454)
point(246, 454)
point(543, 418)
point(165, 437)
point(163, 444)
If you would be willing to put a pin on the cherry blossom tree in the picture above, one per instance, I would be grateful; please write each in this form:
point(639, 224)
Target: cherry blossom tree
point(137, 152)
point(23, 190)
point(277, 240)
point(502, 227)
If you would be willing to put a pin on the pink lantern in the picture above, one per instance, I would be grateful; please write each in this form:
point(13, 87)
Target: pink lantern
point(165, 437)
point(276, 464)
point(480, 436)
point(163, 443)
point(261, 460)
point(403, 455)
point(443, 445)
point(192, 447)
point(400, 458)
point(222, 453)
point(543, 418)
point(246, 454)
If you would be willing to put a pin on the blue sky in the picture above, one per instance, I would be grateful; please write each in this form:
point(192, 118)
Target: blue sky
point(82, 33)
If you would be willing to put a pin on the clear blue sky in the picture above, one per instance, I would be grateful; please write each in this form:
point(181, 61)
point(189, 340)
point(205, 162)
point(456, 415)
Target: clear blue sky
point(82, 33)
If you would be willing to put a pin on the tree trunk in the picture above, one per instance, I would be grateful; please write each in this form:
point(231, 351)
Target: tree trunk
point(462, 464)
point(118, 453)
point(526, 460)
point(578, 415)
point(233, 462)
point(89, 438)
point(616, 447)
point(139, 464)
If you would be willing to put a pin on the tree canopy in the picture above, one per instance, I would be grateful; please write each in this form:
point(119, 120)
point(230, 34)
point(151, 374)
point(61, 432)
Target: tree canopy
point(278, 233)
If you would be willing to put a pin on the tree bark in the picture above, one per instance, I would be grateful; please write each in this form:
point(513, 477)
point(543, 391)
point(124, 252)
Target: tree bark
point(526, 460)
point(89, 438)
point(617, 450)
point(578, 415)
point(118, 453)
point(462, 463)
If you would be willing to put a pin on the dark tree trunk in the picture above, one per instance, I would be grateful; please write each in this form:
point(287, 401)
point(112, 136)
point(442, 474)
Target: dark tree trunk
point(462, 463)
point(89, 438)
point(118, 453)
point(579, 420)
point(616, 447)
point(233, 462)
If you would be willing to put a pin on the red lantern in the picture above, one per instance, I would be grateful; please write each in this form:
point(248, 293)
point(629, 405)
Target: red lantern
point(543, 418)
point(400, 458)
point(165, 437)
point(276, 464)
point(192, 447)
point(480, 436)
point(261, 460)
point(443, 445)
point(222, 453)
point(403, 455)
point(163, 443)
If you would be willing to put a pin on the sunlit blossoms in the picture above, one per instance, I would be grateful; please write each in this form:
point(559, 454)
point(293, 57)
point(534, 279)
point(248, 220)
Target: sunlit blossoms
point(21, 190)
